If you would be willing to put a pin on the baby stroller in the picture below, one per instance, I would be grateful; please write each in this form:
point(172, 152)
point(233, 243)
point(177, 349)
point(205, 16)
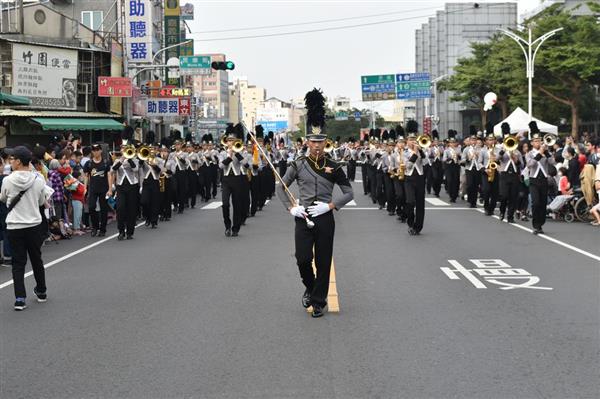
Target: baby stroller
point(562, 207)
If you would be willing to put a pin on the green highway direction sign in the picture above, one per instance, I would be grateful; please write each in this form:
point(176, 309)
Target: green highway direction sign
point(407, 86)
point(195, 65)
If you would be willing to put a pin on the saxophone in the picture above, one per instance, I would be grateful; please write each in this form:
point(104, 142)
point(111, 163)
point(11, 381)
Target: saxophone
point(401, 166)
point(492, 166)
point(162, 182)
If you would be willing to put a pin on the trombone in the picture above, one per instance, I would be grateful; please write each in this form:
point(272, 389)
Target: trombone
point(129, 152)
point(145, 153)
point(238, 145)
point(329, 146)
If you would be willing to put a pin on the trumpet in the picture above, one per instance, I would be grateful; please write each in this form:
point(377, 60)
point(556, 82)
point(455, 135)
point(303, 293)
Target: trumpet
point(550, 139)
point(238, 146)
point(510, 143)
point(329, 146)
point(424, 141)
point(129, 152)
point(223, 140)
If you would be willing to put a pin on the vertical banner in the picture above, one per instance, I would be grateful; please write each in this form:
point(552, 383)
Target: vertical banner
point(116, 69)
point(138, 30)
point(172, 36)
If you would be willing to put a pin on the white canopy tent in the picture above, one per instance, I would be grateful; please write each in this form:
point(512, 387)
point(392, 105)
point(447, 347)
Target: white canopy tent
point(519, 122)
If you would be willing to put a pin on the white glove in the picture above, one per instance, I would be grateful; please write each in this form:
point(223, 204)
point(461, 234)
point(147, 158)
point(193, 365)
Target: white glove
point(318, 209)
point(298, 211)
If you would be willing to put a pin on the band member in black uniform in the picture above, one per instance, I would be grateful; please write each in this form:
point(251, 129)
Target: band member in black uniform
point(167, 185)
point(256, 166)
point(192, 164)
point(282, 153)
point(371, 158)
point(363, 161)
point(511, 163)
point(379, 174)
point(180, 159)
point(126, 171)
point(351, 156)
point(470, 158)
point(414, 181)
point(451, 159)
point(151, 196)
point(388, 173)
point(435, 159)
point(538, 160)
point(399, 167)
point(232, 184)
point(489, 172)
point(316, 176)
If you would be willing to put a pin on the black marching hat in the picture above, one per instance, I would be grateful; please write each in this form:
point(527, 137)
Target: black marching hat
point(315, 115)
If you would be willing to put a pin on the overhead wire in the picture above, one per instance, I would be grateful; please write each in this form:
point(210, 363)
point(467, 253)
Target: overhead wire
point(332, 28)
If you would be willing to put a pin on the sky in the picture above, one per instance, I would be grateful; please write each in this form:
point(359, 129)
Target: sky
point(288, 66)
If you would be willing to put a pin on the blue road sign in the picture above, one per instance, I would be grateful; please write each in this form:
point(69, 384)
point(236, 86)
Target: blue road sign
point(411, 77)
point(357, 116)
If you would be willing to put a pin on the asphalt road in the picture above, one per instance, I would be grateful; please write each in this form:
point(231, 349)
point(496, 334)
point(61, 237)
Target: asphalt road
point(184, 312)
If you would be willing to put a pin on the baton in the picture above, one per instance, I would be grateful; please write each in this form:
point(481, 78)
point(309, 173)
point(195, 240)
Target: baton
point(309, 223)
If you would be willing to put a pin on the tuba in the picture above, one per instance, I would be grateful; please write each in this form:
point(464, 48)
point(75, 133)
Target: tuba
point(550, 139)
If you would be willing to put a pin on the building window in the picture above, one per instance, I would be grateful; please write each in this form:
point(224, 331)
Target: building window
point(92, 19)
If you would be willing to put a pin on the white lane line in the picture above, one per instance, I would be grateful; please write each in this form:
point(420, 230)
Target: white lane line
point(213, 205)
point(351, 203)
point(436, 201)
point(426, 208)
point(357, 181)
point(70, 255)
point(553, 240)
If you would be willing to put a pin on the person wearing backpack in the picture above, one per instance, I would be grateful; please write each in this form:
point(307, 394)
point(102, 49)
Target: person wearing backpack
point(24, 192)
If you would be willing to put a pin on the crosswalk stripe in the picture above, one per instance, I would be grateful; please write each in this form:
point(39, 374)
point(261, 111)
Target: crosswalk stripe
point(436, 201)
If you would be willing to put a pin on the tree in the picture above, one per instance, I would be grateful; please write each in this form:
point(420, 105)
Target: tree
point(568, 63)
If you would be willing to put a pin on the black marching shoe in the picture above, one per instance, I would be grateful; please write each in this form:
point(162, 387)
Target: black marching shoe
point(121, 236)
point(510, 220)
point(20, 305)
point(318, 311)
point(130, 236)
point(94, 233)
point(538, 231)
point(227, 232)
point(41, 297)
point(153, 226)
point(306, 299)
point(102, 234)
point(147, 223)
point(411, 231)
point(234, 233)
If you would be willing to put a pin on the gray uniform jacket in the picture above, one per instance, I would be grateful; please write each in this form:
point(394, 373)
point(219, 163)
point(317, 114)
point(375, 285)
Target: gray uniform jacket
point(414, 162)
point(469, 152)
point(316, 185)
point(231, 165)
point(129, 169)
point(451, 155)
point(537, 164)
point(506, 161)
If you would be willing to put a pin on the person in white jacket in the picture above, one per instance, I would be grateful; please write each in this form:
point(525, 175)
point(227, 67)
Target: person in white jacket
point(24, 192)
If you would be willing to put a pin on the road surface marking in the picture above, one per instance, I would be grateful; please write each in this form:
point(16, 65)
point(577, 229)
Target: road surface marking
point(70, 255)
point(357, 181)
point(213, 205)
point(333, 303)
point(436, 201)
point(554, 240)
point(427, 209)
point(351, 203)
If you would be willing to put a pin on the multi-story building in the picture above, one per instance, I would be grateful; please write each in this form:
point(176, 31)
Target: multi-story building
point(443, 40)
point(251, 96)
point(212, 93)
point(575, 7)
point(339, 103)
point(235, 107)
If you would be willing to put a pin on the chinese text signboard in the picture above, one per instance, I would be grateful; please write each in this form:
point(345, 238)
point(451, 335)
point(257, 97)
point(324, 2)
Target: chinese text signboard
point(46, 75)
point(168, 107)
point(172, 37)
point(138, 30)
point(114, 87)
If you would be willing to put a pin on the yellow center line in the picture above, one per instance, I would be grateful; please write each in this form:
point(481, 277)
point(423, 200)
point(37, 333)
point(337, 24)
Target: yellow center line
point(333, 303)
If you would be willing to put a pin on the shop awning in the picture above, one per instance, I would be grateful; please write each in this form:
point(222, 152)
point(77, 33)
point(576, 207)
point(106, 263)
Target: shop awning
point(77, 124)
point(10, 99)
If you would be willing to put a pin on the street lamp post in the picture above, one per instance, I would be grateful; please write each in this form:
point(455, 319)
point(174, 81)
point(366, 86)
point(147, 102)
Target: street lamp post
point(530, 53)
point(436, 119)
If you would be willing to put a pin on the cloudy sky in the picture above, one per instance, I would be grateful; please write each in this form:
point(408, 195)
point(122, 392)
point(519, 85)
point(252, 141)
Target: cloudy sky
point(333, 59)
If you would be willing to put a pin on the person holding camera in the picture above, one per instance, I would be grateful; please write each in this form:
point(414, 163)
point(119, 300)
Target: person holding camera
point(24, 192)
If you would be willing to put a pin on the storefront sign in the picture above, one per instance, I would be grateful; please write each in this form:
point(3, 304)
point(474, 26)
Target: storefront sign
point(114, 87)
point(138, 30)
point(46, 75)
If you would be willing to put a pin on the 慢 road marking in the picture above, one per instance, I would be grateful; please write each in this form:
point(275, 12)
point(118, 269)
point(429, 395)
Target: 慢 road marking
point(436, 201)
point(554, 240)
point(63, 258)
point(213, 205)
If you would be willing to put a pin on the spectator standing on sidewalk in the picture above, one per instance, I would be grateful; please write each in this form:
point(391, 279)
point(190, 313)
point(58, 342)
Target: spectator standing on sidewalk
point(6, 253)
point(24, 192)
point(55, 181)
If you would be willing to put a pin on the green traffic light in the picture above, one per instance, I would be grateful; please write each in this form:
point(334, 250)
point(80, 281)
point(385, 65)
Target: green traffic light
point(229, 65)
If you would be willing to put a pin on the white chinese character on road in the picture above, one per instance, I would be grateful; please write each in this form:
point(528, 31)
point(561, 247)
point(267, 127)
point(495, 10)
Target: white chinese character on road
point(493, 271)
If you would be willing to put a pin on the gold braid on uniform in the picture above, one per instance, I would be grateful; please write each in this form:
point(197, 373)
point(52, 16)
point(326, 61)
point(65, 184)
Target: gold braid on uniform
point(316, 163)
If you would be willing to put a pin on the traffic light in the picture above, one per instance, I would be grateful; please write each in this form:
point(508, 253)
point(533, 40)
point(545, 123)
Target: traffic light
point(223, 65)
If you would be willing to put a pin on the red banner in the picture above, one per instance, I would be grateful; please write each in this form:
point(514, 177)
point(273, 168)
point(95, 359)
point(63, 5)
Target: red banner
point(184, 106)
point(114, 87)
point(427, 125)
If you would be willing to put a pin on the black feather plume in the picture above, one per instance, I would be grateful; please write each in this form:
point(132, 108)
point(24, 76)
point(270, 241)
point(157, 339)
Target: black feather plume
point(315, 108)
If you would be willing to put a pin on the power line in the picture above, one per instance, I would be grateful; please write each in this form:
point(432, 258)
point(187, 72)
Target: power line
point(333, 28)
point(315, 22)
